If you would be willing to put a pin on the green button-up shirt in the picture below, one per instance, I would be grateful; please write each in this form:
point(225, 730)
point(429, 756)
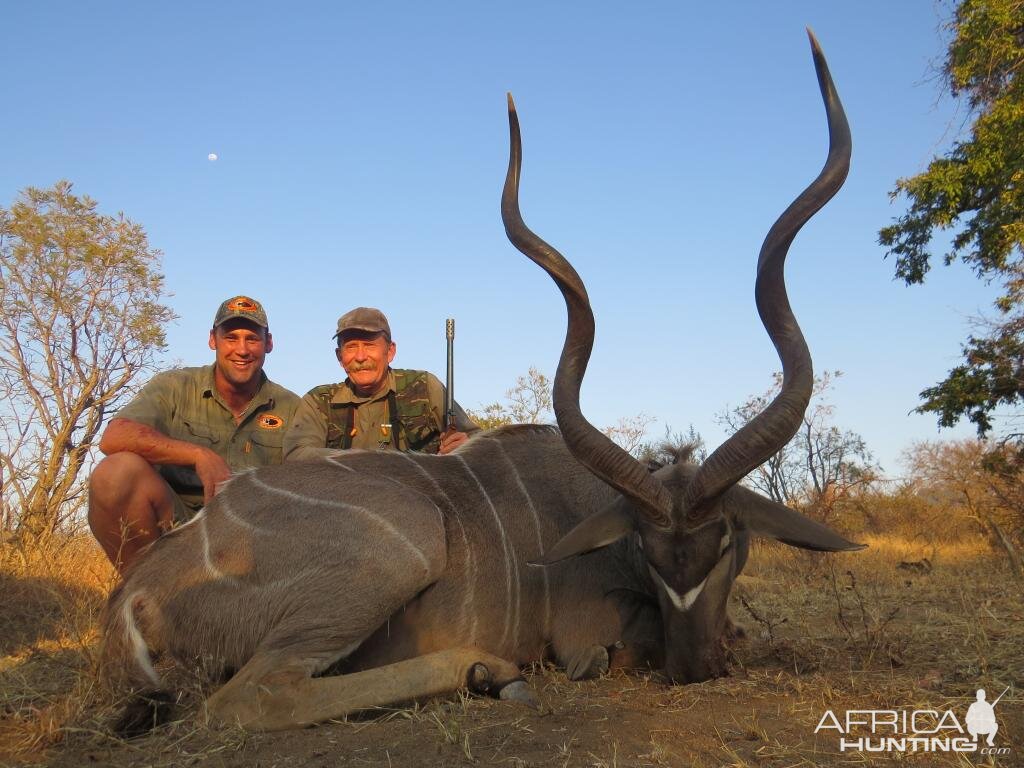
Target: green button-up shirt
point(184, 405)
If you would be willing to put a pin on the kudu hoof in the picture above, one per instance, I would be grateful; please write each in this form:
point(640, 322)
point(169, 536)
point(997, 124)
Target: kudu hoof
point(589, 663)
point(521, 693)
point(479, 679)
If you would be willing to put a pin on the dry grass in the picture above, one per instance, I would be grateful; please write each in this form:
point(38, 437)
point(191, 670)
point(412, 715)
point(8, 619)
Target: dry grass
point(48, 617)
point(824, 632)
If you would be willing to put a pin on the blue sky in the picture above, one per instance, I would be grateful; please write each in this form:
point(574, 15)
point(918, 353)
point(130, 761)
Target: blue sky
point(362, 147)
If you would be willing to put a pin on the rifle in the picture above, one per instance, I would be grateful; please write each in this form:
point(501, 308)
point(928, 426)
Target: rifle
point(449, 395)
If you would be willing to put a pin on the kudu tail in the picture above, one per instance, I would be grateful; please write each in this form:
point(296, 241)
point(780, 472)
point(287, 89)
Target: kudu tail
point(126, 669)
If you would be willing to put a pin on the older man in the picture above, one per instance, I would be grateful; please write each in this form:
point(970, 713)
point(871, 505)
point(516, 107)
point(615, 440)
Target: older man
point(376, 407)
point(185, 432)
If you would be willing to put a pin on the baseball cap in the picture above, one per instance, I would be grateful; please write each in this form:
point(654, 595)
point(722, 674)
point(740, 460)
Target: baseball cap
point(365, 319)
point(242, 307)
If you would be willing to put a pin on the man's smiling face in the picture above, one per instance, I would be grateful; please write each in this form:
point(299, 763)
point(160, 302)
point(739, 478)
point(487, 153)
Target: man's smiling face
point(365, 358)
point(241, 348)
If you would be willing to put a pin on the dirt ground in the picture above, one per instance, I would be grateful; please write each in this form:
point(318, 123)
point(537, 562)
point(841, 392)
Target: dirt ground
point(824, 633)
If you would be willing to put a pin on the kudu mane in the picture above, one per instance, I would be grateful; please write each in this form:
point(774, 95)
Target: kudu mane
point(520, 432)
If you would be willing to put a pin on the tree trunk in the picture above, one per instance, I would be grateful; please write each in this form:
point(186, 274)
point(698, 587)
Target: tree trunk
point(1011, 551)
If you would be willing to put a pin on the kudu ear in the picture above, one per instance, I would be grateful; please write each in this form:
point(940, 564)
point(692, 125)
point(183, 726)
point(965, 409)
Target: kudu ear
point(769, 519)
point(598, 530)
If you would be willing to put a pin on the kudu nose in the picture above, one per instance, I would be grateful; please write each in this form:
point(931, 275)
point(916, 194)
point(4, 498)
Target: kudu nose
point(697, 668)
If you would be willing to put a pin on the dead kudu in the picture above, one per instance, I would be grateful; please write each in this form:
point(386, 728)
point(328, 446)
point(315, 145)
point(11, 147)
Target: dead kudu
point(409, 575)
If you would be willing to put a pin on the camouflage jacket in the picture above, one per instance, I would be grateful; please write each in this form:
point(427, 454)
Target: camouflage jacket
point(407, 415)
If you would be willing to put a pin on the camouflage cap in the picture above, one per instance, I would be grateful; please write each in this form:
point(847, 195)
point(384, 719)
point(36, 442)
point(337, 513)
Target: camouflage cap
point(242, 307)
point(364, 319)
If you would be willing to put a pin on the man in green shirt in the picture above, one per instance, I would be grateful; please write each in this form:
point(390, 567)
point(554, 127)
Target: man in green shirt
point(185, 432)
point(376, 407)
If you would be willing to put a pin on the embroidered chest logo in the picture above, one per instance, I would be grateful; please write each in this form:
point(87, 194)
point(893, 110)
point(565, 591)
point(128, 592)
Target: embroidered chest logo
point(269, 421)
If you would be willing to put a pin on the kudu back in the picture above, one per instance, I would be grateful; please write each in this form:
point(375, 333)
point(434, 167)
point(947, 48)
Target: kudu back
point(407, 575)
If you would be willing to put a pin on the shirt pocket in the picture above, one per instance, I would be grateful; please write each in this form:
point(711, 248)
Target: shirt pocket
point(201, 434)
point(266, 447)
point(266, 438)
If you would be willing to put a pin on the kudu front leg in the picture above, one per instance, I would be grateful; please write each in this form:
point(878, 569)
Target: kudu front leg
point(267, 695)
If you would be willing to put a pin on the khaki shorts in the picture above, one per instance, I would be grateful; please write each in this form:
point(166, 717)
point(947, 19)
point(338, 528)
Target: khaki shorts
point(185, 508)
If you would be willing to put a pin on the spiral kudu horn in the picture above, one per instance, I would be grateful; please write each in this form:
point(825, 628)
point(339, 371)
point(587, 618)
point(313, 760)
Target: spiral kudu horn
point(777, 423)
point(593, 449)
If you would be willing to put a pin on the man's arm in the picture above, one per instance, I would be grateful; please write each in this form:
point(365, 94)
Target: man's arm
point(124, 435)
point(306, 437)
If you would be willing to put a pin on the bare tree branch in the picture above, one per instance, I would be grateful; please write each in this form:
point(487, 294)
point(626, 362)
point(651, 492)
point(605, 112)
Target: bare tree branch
point(80, 323)
point(820, 465)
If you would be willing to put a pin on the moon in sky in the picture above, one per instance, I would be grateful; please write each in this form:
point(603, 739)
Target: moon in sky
point(212, 156)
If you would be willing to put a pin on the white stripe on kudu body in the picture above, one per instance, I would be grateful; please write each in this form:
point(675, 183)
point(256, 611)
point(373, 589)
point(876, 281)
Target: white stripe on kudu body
point(334, 460)
point(540, 541)
point(469, 577)
point(510, 562)
point(207, 559)
point(421, 494)
point(375, 518)
point(225, 507)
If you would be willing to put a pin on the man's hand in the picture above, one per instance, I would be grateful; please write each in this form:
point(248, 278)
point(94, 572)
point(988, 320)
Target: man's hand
point(124, 435)
point(451, 440)
point(212, 471)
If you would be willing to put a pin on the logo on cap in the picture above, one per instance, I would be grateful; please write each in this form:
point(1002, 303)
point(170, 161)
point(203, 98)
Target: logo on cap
point(243, 308)
point(243, 304)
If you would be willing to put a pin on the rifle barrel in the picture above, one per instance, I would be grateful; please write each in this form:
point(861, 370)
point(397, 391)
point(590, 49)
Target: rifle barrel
point(449, 387)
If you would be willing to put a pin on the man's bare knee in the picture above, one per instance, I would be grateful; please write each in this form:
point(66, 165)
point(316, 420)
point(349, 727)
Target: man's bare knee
point(125, 479)
point(129, 503)
point(120, 470)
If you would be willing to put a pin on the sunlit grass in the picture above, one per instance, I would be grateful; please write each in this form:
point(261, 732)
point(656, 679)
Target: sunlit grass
point(823, 631)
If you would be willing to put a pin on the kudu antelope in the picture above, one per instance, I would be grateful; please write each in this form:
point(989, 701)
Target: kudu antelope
point(408, 575)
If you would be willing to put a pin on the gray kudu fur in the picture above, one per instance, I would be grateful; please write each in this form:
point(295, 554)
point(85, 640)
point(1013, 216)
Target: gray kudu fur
point(406, 575)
